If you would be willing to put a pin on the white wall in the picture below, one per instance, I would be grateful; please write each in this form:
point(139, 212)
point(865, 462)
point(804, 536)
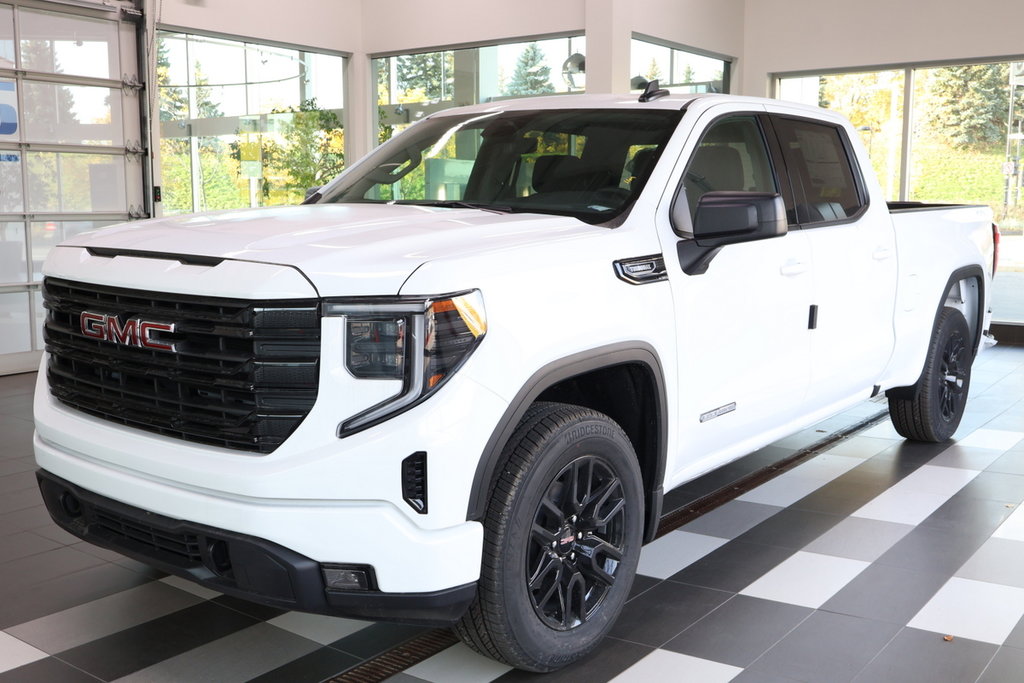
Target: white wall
point(801, 35)
point(764, 36)
point(335, 25)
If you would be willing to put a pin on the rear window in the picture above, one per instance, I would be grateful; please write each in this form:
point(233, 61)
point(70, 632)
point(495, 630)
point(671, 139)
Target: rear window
point(826, 182)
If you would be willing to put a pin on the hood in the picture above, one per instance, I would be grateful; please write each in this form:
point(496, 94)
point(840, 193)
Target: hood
point(344, 249)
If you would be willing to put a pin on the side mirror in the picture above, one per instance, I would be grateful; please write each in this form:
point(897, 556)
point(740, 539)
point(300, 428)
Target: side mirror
point(732, 217)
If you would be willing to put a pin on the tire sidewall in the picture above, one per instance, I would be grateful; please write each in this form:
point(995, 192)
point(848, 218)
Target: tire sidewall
point(590, 436)
point(951, 323)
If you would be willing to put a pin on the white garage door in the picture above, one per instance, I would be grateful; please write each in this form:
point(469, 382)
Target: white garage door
point(71, 156)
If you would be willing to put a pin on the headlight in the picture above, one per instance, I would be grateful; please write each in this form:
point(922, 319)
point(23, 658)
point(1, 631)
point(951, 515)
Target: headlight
point(420, 341)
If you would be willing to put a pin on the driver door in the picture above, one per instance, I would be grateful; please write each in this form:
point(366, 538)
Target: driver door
point(742, 324)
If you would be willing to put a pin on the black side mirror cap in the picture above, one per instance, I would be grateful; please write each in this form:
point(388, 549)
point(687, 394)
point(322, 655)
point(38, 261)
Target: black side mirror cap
point(733, 217)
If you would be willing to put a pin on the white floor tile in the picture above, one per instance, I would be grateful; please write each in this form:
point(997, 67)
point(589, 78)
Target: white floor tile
point(191, 587)
point(806, 579)
point(783, 491)
point(999, 560)
point(15, 653)
point(860, 447)
point(972, 609)
point(885, 430)
point(675, 551)
point(859, 539)
point(1013, 527)
point(663, 665)
point(992, 438)
point(827, 466)
point(913, 498)
point(458, 664)
point(322, 629)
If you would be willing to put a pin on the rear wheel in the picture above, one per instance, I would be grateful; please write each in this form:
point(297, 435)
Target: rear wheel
point(933, 410)
point(562, 538)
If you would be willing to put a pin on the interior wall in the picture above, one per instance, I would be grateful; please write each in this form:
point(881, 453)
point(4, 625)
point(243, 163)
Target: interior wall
point(807, 35)
point(332, 25)
point(707, 25)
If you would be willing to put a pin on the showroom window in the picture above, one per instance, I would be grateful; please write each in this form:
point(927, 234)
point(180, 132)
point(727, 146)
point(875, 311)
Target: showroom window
point(245, 124)
point(677, 70)
point(410, 86)
point(941, 134)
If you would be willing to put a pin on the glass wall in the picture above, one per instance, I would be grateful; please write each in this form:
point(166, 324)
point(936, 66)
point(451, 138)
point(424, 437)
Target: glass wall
point(411, 86)
point(69, 149)
point(966, 126)
point(676, 70)
point(245, 124)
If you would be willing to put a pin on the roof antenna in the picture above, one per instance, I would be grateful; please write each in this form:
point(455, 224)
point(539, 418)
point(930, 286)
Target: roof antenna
point(652, 91)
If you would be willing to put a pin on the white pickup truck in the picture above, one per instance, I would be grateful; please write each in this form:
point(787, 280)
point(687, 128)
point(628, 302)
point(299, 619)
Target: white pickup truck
point(454, 385)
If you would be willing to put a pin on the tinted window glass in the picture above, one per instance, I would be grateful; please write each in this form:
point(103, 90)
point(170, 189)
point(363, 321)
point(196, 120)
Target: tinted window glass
point(824, 180)
point(731, 156)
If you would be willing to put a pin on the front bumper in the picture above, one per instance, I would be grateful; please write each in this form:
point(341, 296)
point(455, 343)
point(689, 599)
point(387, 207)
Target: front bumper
point(236, 564)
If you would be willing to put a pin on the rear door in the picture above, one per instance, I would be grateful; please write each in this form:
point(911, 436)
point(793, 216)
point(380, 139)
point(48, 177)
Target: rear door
point(854, 254)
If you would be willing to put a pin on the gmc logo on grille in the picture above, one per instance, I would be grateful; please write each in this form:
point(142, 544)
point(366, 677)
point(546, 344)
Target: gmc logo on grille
point(133, 332)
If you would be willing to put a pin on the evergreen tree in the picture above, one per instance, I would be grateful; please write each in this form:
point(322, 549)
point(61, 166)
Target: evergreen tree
point(431, 75)
point(532, 76)
point(653, 70)
point(970, 105)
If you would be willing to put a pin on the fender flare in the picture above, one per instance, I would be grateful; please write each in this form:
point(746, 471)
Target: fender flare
point(627, 353)
point(970, 272)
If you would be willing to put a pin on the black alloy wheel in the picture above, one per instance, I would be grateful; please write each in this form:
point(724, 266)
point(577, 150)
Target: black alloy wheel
point(577, 543)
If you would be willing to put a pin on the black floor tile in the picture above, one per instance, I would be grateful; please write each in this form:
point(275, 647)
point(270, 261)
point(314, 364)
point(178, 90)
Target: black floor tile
point(1016, 637)
point(911, 453)
point(927, 549)
point(377, 638)
point(914, 656)
point(888, 594)
point(27, 498)
point(998, 486)
point(49, 670)
point(826, 647)
point(25, 544)
point(642, 584)
point(19, 481)
point(731, 520)
point(145, 645)
point(790, 528)
point(1011, 462)
point(23, 461)
point(964, 515)
point(1006, 667)
point(611, 658)
point(664, 612)
point(740, 631)
point(841, 496)
point(249, 608)
point(316, 666)
point(733, 566)
point(61, 593)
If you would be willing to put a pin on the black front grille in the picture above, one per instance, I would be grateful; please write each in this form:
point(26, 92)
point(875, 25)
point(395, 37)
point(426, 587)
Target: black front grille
point(242, 375)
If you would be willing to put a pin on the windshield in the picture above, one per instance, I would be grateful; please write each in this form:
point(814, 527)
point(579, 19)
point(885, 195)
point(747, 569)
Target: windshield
point(587, 163)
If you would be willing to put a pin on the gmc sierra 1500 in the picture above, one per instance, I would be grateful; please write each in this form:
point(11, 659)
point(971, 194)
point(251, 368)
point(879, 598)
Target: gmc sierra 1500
point(453, 386)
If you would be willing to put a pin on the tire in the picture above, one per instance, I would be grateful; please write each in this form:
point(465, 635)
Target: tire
point(562, 537)
point(932, 409)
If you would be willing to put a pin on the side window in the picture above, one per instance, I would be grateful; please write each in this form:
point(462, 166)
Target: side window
point(825, 181)
point(731, 156)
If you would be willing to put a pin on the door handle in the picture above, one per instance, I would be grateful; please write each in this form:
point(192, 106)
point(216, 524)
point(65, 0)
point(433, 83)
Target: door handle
point(793, 267)
point(881, 253)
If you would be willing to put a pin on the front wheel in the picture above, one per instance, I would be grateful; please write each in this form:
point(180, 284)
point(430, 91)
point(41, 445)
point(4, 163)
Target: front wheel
point(934, 409)
point(562, 538)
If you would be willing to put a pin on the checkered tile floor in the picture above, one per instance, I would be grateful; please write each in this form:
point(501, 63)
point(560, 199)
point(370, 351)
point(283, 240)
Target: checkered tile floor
point(878, 560)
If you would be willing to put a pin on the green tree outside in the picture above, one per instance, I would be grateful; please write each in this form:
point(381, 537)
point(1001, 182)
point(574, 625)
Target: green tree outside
point(532, 76)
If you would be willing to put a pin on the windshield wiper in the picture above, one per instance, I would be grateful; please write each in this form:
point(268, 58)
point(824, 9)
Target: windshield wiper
point(458, 204)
